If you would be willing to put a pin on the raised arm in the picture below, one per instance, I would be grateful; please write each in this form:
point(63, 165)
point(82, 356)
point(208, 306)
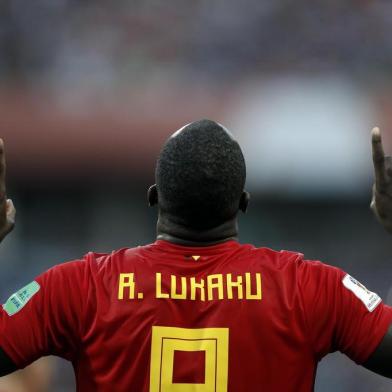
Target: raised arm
point(7, 209)
point(45, 317)
point(381, 360)
point(7, 222)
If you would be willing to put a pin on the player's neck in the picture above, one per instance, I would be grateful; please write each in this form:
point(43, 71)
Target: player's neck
point(173, 232)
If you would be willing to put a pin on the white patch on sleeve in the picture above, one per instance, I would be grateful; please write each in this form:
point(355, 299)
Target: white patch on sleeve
point(369, 299)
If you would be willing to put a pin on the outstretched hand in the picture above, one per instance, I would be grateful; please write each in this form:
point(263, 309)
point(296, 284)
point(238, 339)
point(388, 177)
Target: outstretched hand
point(382, 189)
point(7, 209)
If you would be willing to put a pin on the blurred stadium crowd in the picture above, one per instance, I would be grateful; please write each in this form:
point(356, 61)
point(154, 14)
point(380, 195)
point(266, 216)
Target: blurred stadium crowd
point(64, 42)
point(89, 90)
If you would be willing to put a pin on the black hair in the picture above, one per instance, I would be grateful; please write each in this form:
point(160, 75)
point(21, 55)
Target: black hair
point(200, 175)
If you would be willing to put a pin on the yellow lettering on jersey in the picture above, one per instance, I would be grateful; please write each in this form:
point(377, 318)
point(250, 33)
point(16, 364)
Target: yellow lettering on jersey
point(126, 281)
point(234, 283)
point(248, 284)
point(213, 287)
point(173, 288)
point(215, 282)
point(158, 291)
point(199, 286)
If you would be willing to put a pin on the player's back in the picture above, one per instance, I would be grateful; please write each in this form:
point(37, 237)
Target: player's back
point(165, 317)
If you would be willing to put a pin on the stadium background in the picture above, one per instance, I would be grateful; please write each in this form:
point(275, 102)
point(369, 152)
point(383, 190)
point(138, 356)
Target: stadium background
point(89, 90)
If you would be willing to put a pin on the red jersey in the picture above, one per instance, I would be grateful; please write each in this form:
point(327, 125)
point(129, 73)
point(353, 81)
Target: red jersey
point(168, 318)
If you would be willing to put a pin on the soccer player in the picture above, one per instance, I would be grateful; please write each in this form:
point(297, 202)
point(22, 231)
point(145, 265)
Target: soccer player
point(196, 310)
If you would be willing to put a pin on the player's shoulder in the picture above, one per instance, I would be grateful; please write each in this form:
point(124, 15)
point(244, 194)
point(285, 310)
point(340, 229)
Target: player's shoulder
point(100, 261)
point(293, 260)
point(277, 258)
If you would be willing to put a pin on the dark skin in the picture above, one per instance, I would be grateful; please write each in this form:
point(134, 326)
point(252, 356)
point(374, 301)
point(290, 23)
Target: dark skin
point(379, 362)
point(169, 230)
point(7, 223)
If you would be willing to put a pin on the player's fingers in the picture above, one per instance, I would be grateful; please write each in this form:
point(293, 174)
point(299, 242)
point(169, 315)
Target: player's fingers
point(373, 206)
point(10, 211)
point(378, 159)
point(3, 198)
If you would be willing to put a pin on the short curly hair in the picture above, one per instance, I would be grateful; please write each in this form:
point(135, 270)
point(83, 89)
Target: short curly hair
point(200, 175)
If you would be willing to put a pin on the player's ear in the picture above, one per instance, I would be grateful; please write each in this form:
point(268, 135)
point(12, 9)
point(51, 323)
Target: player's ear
point(244, 201)
point(152, 195)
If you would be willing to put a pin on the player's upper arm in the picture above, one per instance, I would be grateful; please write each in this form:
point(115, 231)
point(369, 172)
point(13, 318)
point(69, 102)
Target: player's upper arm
point(381, 360)
point(7, 366)
point(44, 317)
point(341, 313)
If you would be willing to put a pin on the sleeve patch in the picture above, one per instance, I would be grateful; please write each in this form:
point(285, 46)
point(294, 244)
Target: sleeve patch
point(369, 299)
point(18, 300)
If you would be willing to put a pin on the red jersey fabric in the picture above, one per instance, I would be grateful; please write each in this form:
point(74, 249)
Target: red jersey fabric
point(167, 318)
